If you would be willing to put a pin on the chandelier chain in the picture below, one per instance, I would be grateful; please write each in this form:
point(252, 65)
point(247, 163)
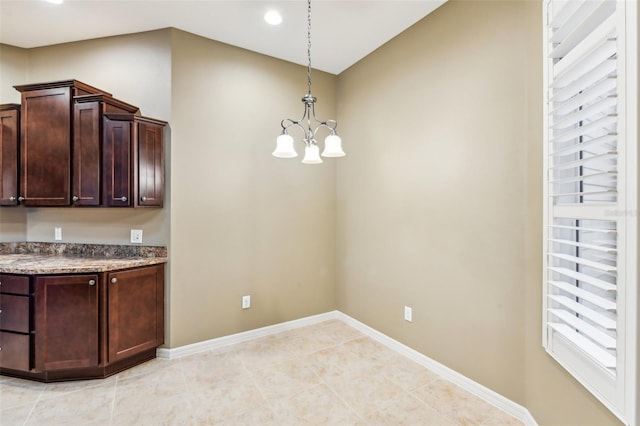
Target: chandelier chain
point(309, 45)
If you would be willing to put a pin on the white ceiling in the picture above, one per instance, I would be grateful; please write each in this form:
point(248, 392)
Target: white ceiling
point(343, 31)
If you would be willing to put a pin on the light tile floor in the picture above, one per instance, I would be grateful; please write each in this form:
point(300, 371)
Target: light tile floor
point(324, 374)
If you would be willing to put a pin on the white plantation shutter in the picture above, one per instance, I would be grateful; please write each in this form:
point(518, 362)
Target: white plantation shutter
point(590, 278)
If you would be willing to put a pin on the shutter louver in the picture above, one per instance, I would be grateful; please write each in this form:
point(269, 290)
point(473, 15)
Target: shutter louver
point(590, 246)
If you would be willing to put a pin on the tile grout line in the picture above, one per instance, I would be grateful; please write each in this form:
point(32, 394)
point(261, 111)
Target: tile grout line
point(188, 395)
point(33, 407)
point(253, 380)
point(113, 401)
point(333, 391)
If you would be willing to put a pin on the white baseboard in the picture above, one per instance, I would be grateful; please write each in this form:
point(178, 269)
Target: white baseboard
point(493, 398)
point(245, 336)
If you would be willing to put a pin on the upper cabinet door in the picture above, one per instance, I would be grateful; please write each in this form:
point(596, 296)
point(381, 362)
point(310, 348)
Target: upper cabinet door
point(85, 184)
point(9, 143)
point(46, 149)
point(116, 163)
point(150, 176)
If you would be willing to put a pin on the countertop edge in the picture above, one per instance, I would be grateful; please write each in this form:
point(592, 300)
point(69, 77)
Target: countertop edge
point(105, 265)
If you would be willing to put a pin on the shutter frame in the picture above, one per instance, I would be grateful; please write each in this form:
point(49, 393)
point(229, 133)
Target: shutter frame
point(590, 198)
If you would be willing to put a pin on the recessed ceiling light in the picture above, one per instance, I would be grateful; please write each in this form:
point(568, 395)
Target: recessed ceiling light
point(55, 1)
point(273, 17)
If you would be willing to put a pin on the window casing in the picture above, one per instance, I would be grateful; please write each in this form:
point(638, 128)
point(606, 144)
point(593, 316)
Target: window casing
point(590, 303)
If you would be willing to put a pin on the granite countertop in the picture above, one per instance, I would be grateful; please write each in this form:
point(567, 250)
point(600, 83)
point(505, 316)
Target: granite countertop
point(57, 258)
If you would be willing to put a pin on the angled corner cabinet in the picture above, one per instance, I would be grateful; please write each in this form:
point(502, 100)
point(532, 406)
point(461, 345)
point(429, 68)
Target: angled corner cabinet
point(80, 326)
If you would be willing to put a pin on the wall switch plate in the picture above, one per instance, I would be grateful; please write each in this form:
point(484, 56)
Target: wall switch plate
point(136, 236)
point(408, 314)
point(246, 302)
point(57, 234)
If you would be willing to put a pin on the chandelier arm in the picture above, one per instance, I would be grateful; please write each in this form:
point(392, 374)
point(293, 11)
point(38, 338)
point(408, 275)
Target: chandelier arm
point(297, 123)
point(331, 129)
point(285, 129)
point(326, 123)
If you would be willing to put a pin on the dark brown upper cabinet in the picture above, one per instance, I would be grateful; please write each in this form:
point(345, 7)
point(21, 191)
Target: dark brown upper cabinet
point(77, 145)
point(9, 145)
point(133, 158)
point(87, 171)
point(46, 132)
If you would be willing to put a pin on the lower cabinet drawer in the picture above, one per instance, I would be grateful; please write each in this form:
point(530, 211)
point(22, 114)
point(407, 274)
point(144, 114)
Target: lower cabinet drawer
point(18, 284)
point(14, 351)
point(14, 313)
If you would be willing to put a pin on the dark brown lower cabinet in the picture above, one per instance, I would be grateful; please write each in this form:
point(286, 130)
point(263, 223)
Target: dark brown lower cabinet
point(135, 311)
point(15, 350)
point(80, 325)
point(16, 325)
point(66, 322)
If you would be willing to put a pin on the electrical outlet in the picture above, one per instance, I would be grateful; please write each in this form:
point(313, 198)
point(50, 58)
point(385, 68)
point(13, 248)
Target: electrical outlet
point(57, 234)
point(246, 302)
point(136, 236)
point(408, 314)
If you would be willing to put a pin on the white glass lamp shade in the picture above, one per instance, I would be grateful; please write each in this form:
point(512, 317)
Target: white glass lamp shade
point(312, 155)
point(333, 147)
point(284, 147)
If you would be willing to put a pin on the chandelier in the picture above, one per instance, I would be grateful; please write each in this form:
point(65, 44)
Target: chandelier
point(332, 143)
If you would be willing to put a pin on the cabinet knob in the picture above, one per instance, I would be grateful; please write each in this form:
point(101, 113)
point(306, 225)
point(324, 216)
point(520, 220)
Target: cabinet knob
point(75, 198)
point(114, 280)
point(92, 282)
point(12, 198)
point(20, 198)
point(123, 198)
point(143, 199)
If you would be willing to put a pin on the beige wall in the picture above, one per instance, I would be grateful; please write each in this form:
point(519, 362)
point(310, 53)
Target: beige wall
point(13, 225)
point(439, 204)
point(242, 221)
point(13, 68)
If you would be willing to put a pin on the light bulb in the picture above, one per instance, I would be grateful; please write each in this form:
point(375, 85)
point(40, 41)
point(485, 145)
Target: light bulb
point(312, 155)
point(284, 147)
point(333, 146)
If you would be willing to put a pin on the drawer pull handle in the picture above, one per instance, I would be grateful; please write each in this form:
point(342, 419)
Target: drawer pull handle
point(114, 280)
point(92, 282)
